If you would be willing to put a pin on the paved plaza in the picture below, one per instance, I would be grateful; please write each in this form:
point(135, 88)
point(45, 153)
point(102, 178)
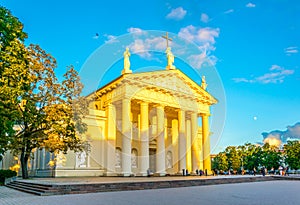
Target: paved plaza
point(269, 192)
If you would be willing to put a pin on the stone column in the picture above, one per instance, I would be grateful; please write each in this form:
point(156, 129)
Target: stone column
point(188, 146)
point(160, 141)
point(194, 133)
point(181, 140)
point(126, 137)
point(110, 139)
point(206, 144)
point(144, 162)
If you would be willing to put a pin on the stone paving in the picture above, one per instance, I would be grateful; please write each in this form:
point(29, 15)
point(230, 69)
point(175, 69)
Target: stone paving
point(270, 192)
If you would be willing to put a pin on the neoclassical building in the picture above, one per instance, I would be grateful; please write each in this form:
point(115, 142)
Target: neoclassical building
point(149, 121)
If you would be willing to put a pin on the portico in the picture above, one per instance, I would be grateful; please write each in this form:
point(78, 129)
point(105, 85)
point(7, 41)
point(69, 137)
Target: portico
point(152, 122)
point(173, 131)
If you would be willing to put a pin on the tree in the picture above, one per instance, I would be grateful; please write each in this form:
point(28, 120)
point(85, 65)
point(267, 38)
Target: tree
point(10, 28)
point(292, 154)
point(51, 112)
point(251, 156)
point(13, 72)
point(270, 156)
point(38, 111)
point(234, 159)
point(220, 162)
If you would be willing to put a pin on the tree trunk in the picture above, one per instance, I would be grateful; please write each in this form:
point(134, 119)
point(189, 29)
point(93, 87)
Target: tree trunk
point(24, 165)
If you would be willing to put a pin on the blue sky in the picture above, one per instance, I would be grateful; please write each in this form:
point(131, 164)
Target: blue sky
point(253, 45)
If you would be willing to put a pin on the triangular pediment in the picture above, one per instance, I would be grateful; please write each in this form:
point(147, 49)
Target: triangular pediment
point(172, 81)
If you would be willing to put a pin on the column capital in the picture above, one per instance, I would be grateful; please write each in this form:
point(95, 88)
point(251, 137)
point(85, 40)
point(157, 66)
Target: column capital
point(143, 103)
point(205, 114)
point(180, 109)
point(158, 105)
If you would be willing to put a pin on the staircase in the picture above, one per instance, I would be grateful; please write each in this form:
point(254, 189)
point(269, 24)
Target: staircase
point(44, 189)
point(34, 188)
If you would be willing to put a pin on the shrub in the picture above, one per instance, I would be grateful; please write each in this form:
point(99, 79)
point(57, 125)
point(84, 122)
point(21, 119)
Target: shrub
point(6, 174)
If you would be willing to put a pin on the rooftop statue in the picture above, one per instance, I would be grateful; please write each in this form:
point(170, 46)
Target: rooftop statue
point(170, 58)
point(126, 62)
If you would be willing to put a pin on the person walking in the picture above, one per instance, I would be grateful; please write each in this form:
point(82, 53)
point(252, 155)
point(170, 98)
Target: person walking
point(286, 173)
point(280, 170)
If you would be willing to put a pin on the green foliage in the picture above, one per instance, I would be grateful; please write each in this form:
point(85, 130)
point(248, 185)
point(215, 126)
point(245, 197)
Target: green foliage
point(220, 162)
point(13, 72)
point(247, 157)
point(292, 154)
point(4, 174)
point(10, 28)
point(233, 157)
point(251, 156)
point(270, 157)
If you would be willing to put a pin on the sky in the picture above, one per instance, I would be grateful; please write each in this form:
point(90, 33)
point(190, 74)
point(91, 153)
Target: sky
point(248, 50)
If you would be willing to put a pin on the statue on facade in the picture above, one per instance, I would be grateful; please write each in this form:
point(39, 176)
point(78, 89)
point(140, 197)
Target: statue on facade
point(169, 160)
point(118, 158)
point(170, 59)
point(134, 159)
point(126, 62)
point(81, 159)
point(203, 83)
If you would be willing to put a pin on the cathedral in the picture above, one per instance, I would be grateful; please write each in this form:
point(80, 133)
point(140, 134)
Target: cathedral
point(139, 123)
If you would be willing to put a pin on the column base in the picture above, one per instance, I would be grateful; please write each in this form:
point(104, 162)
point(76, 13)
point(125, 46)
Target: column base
point(125, 174)
point(142, 174)
point(110, 174)
point(160, 174)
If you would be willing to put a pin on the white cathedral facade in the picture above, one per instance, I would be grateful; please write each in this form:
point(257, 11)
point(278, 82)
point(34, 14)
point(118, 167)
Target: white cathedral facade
point(149, 121)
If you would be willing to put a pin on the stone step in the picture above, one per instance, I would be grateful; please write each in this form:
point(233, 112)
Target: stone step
point(24, 190)
point(35, 185)
point(58, 189)
point(36, 189)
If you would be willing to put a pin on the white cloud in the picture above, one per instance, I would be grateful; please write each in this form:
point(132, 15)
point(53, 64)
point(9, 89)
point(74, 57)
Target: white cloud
point(111, 39)
point(291, 50)
point(205, 39)
point(204, 18)
point(276, 67)
point(197, 61)
point(242, 80)
point(229, 11)
point(250, 5)
point(277, 74)
point(142, 46)
point(133, 30)
point(177, 14)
